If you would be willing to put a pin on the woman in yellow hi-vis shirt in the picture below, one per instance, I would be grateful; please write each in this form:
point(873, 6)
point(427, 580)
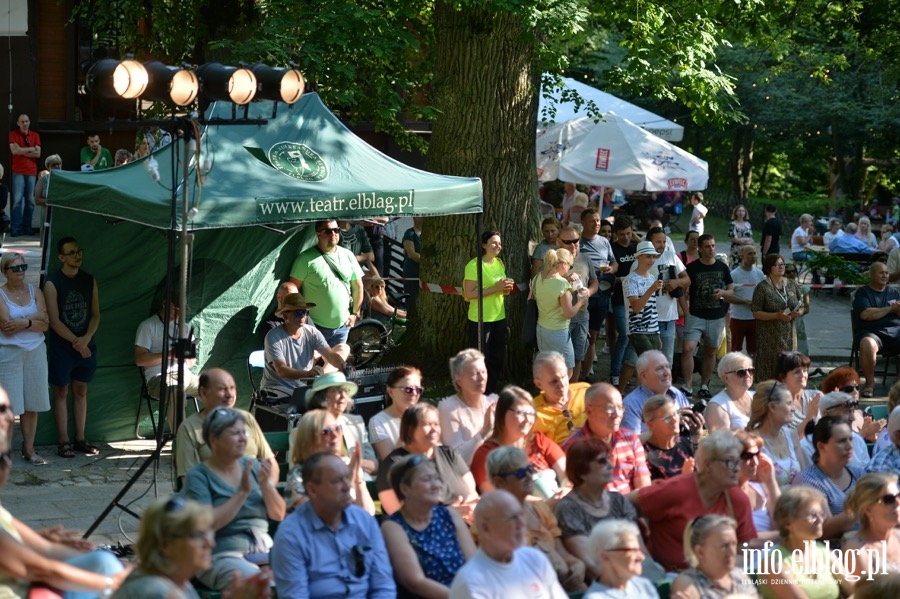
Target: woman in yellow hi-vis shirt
point(495, 286)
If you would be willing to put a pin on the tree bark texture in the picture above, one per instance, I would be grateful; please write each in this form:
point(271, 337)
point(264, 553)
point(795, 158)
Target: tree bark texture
point(485, 89)
point(742, 161)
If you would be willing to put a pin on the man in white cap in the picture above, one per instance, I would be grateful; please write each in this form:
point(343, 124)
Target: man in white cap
point(292, 350)
point(641, 288)
point(843, 405)
point(887, 459)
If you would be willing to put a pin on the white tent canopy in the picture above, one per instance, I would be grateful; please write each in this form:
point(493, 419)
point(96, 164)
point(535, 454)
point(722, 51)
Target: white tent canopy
point(565, 111)
point(616, 153)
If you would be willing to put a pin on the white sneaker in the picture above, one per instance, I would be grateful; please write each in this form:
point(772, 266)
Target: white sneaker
point(605, 349)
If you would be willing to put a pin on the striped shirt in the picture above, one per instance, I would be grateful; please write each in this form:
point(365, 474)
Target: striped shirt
point(645, 322)
point(626, 454)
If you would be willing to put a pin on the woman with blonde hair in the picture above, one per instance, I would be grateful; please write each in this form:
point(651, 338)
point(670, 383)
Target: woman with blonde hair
point(319, 430)
point(730, 408)
point(864, 233)
point(771, 411)
point(875, 502)
point(802, 564)
point(757, 481)
point(175, 543)
point(710, 546)
point(552, 290)
point(380, 306)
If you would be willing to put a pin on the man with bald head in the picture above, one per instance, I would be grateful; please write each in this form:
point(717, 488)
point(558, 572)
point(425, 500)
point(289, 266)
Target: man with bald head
point(655, 377)
point(503, 566)
point(604, 407)
point(217, 390)
point(560, 404)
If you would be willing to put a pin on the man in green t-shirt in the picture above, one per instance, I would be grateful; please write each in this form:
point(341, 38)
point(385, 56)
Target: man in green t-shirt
point(95, 157)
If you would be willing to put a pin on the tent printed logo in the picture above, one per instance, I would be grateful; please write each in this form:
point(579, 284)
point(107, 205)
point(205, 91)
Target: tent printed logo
point(602, 162)
point(677, 183)
point(663, 160)
point(294, 160)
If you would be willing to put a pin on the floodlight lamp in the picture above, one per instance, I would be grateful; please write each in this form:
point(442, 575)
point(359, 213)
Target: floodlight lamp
point(229, 84)
point(172, 84)
point(278, 85)
point(111, 78)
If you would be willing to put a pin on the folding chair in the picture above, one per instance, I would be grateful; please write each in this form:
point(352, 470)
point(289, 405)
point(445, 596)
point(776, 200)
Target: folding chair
point(147, 398)
point(255, 361)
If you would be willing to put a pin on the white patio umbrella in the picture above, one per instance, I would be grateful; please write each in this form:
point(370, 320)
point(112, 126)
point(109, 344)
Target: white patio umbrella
point(566, 111)
point(616, 153)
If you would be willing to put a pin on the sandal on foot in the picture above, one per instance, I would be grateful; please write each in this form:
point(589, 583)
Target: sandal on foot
point(868, 391)
point(65, 450)
point(35, 459)
point(85, 447)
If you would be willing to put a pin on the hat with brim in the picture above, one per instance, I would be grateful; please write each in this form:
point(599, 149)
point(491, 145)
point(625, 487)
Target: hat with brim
point(331, 379)
point(835, 399)
point(646, 248)
point(293, 301)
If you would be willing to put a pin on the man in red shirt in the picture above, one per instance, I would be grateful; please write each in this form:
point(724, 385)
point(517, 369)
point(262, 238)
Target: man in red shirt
point(25, 147)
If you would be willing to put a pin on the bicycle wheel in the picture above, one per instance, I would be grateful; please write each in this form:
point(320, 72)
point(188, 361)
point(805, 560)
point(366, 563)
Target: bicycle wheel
point(366, 340)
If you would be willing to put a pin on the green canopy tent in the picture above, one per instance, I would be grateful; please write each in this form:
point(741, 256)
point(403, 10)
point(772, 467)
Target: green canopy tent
point(250, 187)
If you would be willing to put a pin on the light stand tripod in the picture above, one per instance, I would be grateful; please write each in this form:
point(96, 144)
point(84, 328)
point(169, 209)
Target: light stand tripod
point(183, 346)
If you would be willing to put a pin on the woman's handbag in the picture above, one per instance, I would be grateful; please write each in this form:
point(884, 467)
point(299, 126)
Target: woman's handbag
point(529, 323)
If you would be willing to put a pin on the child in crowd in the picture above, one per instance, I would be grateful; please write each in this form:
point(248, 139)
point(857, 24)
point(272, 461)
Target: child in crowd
point(642, 286)
point(699, 212)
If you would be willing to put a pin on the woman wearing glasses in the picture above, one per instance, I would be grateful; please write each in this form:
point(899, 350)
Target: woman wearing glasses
point(427, 542)
point(552, 290)
point(319, 430)
point(792, 371)
point(711, 547)
point(846, 380)
point(514, 425)
point(711, 489)
point(806, 570)
point(23, 355)
point(495, 287)
point(831, 472)
point(333, 392)
point(875, 503)
point(777, 303)
point(617, 547)
point(509, 470)
point(589, 468)
point(730, 407)
point(420, 433)
point(757, 481)
point(403, 389)
point(242, 496)
point(669, 453)
point(175, 543)
point(770, 414)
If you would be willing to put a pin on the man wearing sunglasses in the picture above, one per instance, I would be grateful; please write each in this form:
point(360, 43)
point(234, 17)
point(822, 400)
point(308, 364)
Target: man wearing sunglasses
point(331, 279)
point(293, 349)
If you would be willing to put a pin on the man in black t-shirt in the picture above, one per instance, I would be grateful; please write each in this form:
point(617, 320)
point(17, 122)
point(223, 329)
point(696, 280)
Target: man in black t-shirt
point(877, 308)
point(771, 233)
point(711, 287)
point(622, 357)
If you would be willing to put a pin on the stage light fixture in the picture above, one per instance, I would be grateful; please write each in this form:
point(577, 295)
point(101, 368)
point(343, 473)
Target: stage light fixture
point(171, 84)
point(229, 84)
point(278, 85)
point(112, 78)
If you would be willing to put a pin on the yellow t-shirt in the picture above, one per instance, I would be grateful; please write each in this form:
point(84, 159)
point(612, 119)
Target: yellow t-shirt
point(494, 308)
point(551, 421)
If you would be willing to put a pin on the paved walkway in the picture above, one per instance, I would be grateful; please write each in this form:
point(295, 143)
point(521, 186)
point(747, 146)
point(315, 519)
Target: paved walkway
point(74, 492)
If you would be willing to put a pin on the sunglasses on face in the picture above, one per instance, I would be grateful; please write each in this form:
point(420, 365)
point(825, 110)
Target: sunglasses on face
point(569, 241)
point(4, 408)
point(301, 313)
point(330, 231)
point(520, 473)
point(749, 455)
point(889, 499)
point(18, 268)
point(850, 388)
point(335, 430)
point(742, 372)
point(411, 390)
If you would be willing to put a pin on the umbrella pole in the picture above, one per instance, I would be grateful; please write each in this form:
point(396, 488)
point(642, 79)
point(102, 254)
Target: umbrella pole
point(479, 228)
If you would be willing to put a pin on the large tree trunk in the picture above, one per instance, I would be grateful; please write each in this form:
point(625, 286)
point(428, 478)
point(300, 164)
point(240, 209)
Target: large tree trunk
point(485, 89)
